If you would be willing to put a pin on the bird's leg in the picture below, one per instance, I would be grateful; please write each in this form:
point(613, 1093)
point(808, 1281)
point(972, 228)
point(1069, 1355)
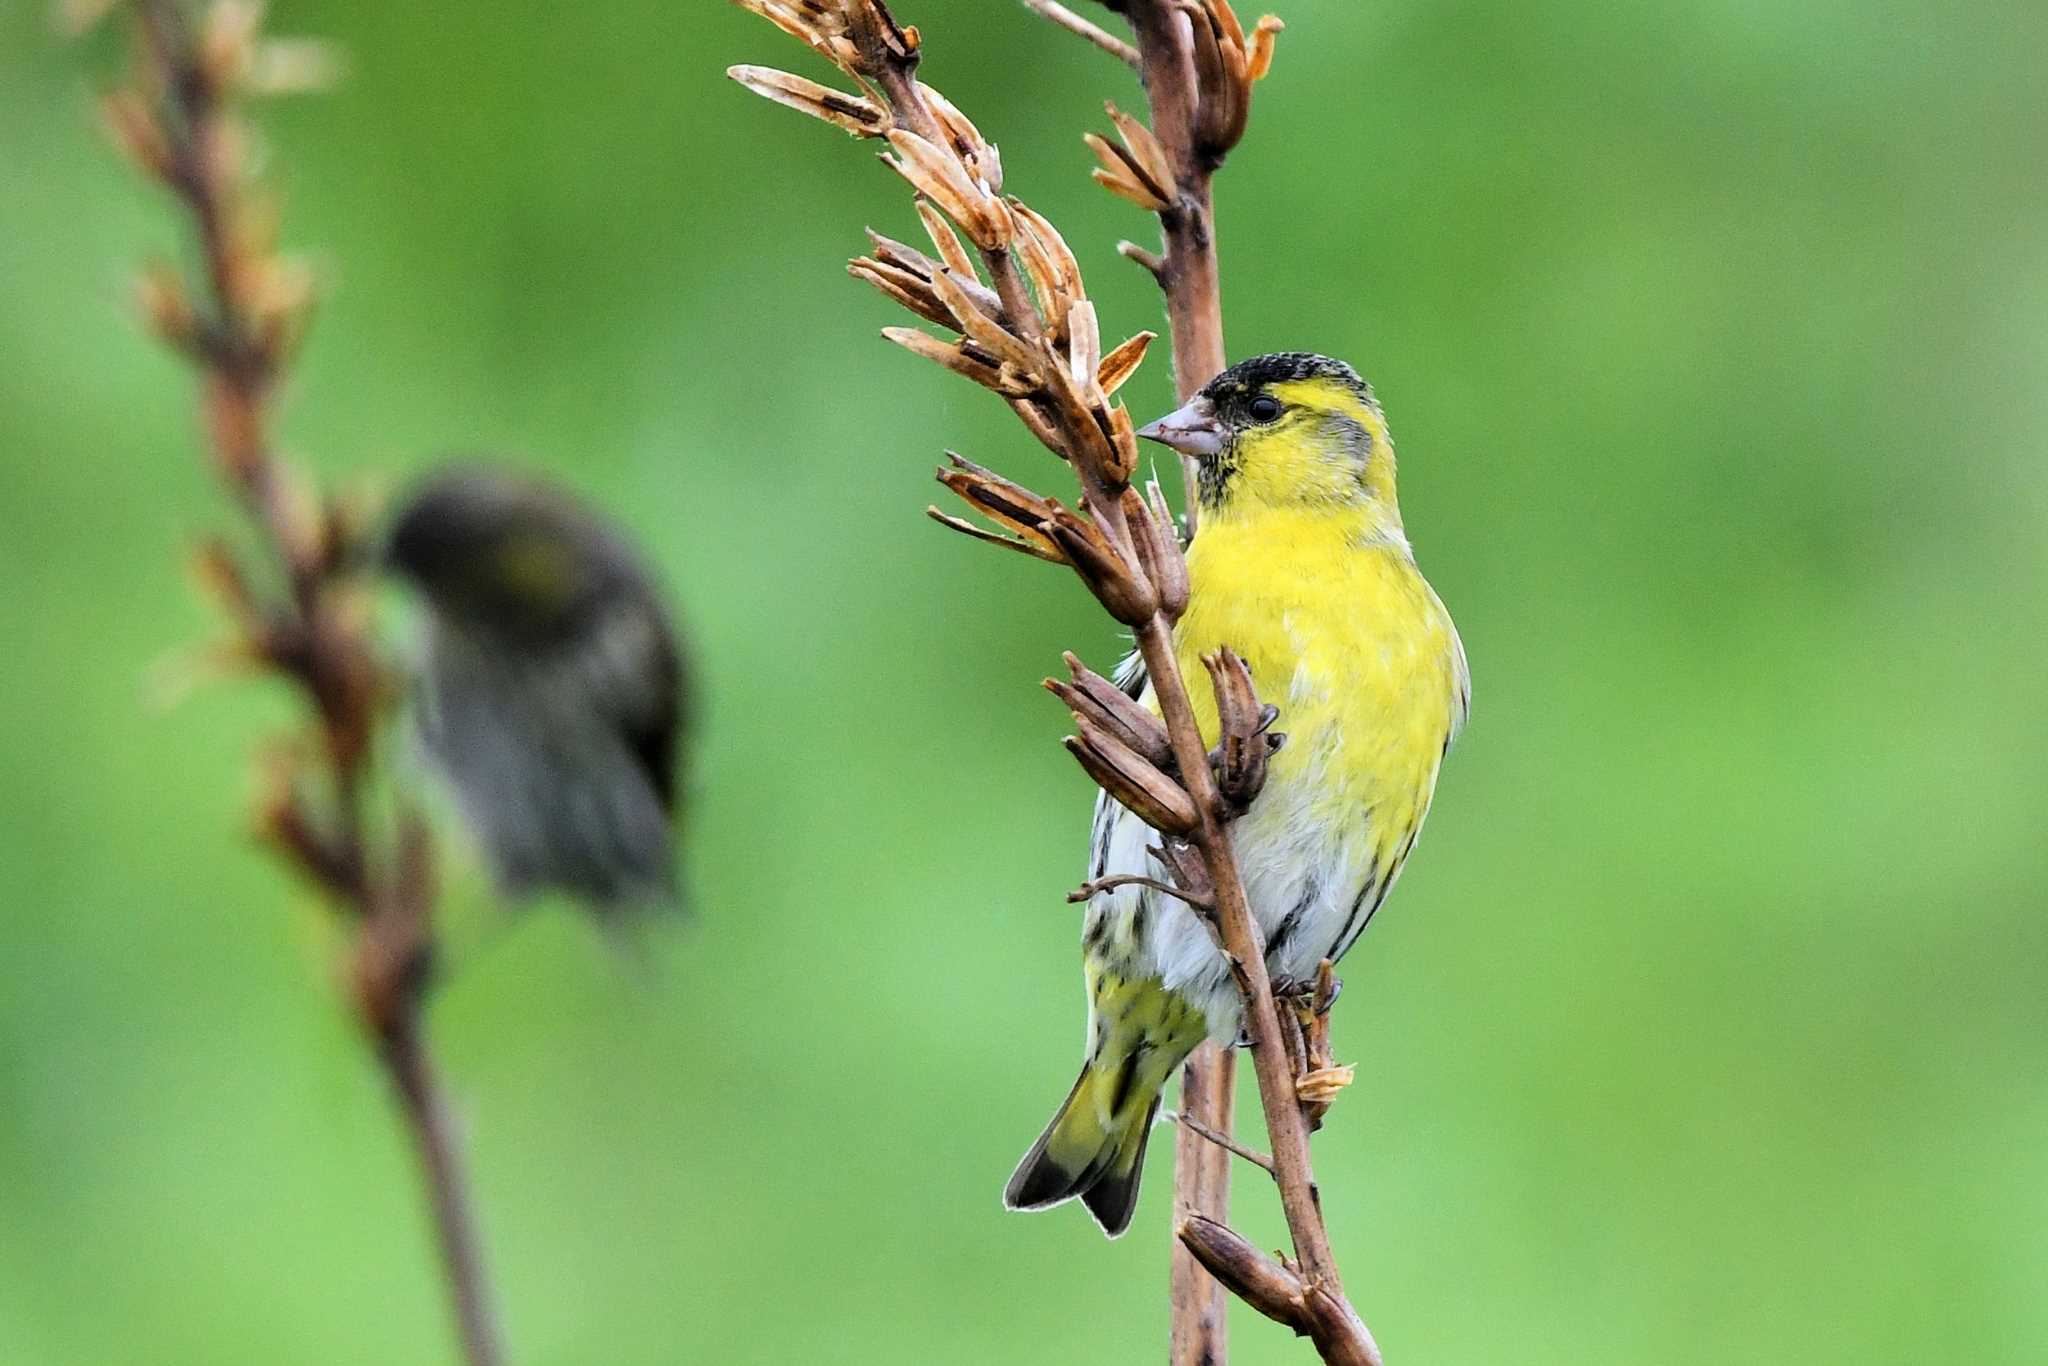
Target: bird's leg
point(1318, 1077)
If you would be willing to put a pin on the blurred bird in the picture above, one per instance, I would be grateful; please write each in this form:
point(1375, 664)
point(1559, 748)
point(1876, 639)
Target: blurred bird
point(1303, 568)
point(550, 688)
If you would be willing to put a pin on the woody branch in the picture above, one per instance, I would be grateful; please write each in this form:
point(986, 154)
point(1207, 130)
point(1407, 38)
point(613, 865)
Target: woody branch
point(1198, 67)
point(1022, 326)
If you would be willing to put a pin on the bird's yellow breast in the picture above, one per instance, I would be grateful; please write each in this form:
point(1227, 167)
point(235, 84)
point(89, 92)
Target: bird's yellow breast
point(1343, 634)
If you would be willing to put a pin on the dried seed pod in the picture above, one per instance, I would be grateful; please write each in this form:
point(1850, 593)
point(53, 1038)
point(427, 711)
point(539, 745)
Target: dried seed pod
point(978, 153)
point(1084, 352)
point(135, 130)
point(1225, 96)
point(1158, 548)
point(1121, 363)
point(912, 291)
point(294, 66)
point(1259, 57)
point(1123, 445)
point(1124, 595)
point(940, 175)
point(986, 370)
point(1055, 274)
point(1096, 698)
point(1039, 425)
point(1144, 790)
point(279, 295)
point(983, 327)
point(280, 819)
point(1145, 153)
point(1223, 19)
point(1251, 1275)
point(1036, 549)
point(1122, 175)
point(219, 575)
point(227, 40)
point(901, 254)
point(910, 260)
point(1004, 501)
point(862, 118)
point(821, 26)
point(947, 242)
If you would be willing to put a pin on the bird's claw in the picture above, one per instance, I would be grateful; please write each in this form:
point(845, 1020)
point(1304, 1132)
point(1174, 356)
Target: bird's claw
point(1307, 994)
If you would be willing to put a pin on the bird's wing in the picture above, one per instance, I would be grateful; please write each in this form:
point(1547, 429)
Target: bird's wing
point(1130, 675)
point(651, 733)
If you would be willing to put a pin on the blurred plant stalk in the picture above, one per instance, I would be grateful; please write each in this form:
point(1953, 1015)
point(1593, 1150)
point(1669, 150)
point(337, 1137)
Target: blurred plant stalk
point(302, 613)
point(1021, 325)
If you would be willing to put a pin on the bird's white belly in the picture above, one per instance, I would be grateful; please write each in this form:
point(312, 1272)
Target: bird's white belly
point(1308, 879)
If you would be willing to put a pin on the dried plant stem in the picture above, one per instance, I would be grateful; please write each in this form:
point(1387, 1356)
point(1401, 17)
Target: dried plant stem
point(414, 1081)
point(1225, 1141)
point(1075, 24)
point(179, 122)
point(1177, 46)
point(1199, 1331)
point(1334, 1324)
point(1187, 273)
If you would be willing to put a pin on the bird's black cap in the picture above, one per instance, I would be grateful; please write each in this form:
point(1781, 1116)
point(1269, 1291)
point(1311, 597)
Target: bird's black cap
point(1282, 367)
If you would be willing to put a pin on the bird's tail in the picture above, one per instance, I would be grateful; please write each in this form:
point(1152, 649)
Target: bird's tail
point(1094, 1149)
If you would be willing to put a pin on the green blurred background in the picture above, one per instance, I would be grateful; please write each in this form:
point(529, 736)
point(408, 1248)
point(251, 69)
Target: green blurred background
point(1711, 1022)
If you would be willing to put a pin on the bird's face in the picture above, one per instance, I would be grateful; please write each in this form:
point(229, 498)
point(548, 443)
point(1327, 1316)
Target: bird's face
point(493, 554)
point(1288, 430)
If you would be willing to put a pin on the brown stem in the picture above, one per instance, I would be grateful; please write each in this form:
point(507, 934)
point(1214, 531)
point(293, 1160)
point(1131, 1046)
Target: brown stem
point(413, 1080)
point(1087, 891)
point(1199, 1331)
point(1194, 297)
point(1189, 277)
point(1226, 1142)
point(1187, 273)
point(1282, 1292)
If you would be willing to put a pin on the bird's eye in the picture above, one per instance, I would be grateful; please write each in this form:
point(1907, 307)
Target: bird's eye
point(1264, 408)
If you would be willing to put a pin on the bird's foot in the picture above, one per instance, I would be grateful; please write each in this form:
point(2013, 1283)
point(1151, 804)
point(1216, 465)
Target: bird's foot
point(1311, 995)
point(1318, 1076)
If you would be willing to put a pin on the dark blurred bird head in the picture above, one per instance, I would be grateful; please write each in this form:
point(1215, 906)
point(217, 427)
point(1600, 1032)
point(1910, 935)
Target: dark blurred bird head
point(550, 688)
point(503, 554)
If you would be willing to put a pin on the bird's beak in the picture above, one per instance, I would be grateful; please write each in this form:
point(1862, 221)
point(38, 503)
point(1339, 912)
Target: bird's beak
point(1191, 429)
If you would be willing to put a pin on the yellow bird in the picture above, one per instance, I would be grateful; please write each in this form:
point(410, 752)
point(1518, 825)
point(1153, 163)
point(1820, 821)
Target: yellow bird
point(1301, 565)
